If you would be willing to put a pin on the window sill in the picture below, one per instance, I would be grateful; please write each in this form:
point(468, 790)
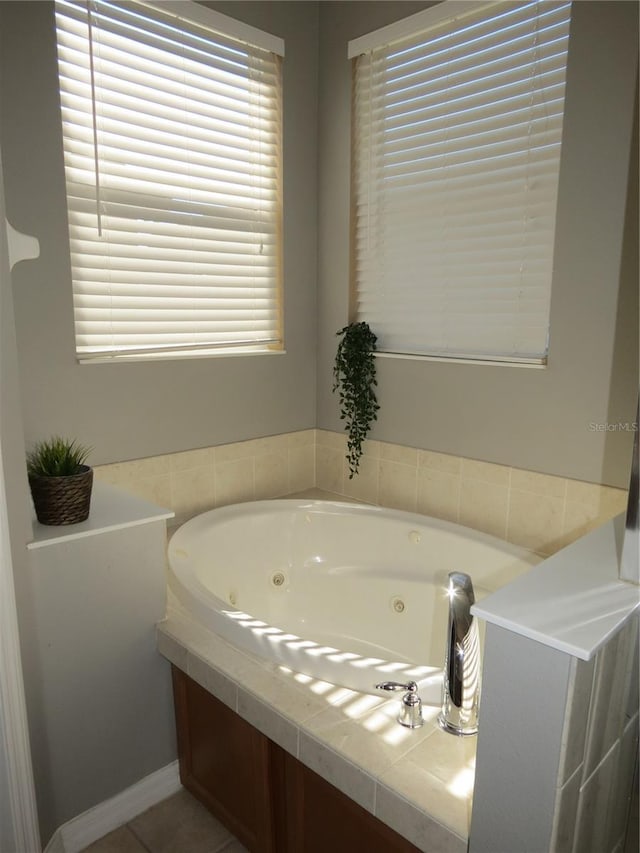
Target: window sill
point(486, 362)
point(174, 356)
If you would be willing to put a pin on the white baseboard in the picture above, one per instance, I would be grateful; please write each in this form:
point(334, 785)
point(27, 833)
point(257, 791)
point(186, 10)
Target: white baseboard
point(78, 833)
point(56, 844)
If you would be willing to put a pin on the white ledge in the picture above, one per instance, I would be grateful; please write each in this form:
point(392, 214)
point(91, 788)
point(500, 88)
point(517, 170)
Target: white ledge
point(111, 509)
point(574, 601)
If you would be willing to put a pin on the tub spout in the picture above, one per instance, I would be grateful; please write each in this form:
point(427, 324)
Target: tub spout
point(461, 686)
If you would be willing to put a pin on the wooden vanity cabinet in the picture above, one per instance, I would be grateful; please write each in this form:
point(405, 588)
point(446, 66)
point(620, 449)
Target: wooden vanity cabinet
point(267, 798)
point(226, 764)
point(323, 819)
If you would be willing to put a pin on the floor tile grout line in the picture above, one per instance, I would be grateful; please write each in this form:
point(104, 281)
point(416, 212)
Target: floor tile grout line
point(147, 846)
point(140, 841)
point(229, 844)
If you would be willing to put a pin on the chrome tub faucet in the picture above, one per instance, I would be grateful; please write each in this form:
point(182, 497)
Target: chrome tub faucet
point(410, 714)
point(461, 684)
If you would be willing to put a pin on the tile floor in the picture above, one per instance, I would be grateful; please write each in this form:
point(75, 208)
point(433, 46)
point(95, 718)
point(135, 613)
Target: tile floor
point(179, 824)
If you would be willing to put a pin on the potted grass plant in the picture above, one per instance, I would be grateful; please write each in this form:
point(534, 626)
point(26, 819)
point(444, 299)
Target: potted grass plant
point(60, 481)
point(354, 377)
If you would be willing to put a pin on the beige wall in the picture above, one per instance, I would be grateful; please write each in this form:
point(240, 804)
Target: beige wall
point(15, 492)
point(130, 410)
point(534, 419)
point(526, 419)
point(136, 410)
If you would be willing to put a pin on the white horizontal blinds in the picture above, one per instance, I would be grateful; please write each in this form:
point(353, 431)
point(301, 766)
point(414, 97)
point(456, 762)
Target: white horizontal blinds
point(173, 170)
point(457, 147)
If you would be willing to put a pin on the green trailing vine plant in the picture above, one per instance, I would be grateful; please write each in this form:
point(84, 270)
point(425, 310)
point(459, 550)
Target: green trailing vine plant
point(354, 377)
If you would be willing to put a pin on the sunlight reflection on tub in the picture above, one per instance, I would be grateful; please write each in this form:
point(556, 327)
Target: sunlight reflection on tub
point(377, 714)
point(428, 677)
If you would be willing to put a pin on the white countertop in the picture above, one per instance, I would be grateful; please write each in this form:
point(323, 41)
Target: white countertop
point(574, 601)
point(111, 509)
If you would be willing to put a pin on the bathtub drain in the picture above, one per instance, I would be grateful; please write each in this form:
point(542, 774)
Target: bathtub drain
point(278, 579)
point(397, 604)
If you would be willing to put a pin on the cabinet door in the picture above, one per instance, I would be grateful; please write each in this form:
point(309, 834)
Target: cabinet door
point(225, 763)
point(269, 800)
point(320, 818)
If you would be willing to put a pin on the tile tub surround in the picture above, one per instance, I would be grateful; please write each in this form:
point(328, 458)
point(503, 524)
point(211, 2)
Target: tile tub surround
point(419, 782)
point(194, 481)
point(539, 511)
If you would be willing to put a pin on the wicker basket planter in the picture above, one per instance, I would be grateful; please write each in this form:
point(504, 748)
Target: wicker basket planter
point(62, 500)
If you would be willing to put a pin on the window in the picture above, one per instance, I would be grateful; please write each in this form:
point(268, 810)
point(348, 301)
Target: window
point(171, 118)
point(458, 116)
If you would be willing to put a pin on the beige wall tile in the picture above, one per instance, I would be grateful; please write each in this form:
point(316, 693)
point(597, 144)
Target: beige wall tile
point(578, 520)
point(398, 453)
point(231, 452)
point(364, 485)
point(111, 474)
point(589, 505)
point(535, 521)
point(483, 506)
point(143, 469)
point(302, 468)
point(192, 492)
point(485, 471)
point(584, 493)
point(397, 485)
point(304, 438)
point(269, 444)
point(190, 459)
point(335, 440)
point(538, 484)
point(154, 489)
point(234, 481)
point(329, 469)
point(612, 502)
point(438, 494)
point(439, 461)
point(271, 475)
point(372, 449)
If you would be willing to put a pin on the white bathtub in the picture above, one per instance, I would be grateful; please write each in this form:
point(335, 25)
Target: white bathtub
point(341, 592)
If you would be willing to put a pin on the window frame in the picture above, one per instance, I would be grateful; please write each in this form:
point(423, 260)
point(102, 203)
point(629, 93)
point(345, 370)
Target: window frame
point(181, 17)
point(393, 37)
